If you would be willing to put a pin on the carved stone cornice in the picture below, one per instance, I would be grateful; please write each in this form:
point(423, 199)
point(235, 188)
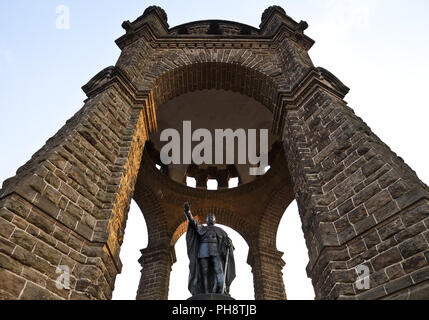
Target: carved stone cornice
point(269, 13)
point(153, 254)
point(283, 31)
point(113, 76)
point(340, 87)
point(159, 12)
point(271, 254)
point(275, 23)
point(215, 33)
point(316, 78)
point(214, 28)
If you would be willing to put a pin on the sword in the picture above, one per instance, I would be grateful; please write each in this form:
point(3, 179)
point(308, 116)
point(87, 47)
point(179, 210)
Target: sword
point(226, 269)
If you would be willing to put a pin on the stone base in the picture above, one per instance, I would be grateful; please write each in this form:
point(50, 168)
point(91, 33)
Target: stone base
point(211, 296)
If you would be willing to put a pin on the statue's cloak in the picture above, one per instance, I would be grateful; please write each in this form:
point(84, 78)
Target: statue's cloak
point(194, 233)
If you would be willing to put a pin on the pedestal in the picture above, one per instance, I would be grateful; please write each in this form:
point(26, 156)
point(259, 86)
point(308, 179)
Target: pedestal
point(210, 296)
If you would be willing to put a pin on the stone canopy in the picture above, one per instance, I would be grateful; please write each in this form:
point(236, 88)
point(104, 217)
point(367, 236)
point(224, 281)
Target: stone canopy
point(359, 203)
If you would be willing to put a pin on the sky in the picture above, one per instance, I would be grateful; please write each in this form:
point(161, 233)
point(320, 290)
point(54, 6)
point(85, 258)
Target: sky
point(379, 48)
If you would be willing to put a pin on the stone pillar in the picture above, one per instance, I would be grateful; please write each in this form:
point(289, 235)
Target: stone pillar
point(223, 179)
point(66, 208)
point(360, 204)
point(267, 265)
point(156, 267)
point(201, 177)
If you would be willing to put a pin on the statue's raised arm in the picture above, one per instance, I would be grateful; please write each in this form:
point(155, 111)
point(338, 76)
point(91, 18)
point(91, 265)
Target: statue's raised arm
point(188, 213)
point(194, 224)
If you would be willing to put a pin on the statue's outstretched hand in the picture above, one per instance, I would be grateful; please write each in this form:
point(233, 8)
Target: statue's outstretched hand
point(187, 207)
point(188, 211)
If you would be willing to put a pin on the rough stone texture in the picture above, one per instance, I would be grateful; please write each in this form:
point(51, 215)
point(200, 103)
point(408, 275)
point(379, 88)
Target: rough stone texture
point(360, 204)
point(355, 196)
point(59, 208)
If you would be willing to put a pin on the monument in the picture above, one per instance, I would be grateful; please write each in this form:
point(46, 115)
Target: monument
point(360, 205)
point(211, 256)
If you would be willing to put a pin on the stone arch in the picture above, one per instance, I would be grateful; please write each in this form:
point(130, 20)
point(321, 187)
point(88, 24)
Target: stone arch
point(154, 214)
point(231, 210)
point(264, 258)
point(144, 66)
point(273, 214)
point(135, 238)
point(223, 216)
point(158, 257)
point(243, 276)
point(215, 75)
point(353, 192)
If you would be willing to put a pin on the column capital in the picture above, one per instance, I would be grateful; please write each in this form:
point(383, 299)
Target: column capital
point(315, 79)
point(201, 179)
point(155, 253)
point(271, 255)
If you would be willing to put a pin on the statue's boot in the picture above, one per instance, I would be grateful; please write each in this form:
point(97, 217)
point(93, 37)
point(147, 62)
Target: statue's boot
point(205, 285)
point(215, 285)
point(219, 283)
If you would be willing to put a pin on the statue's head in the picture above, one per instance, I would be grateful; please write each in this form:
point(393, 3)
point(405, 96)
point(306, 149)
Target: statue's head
point(211, 220)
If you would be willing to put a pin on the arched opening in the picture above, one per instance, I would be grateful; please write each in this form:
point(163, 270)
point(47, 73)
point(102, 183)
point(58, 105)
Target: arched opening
point(233, 183)
point(290, 240)
point(212, 184)
point(245, 103)
point(191, 182)
point(135, 238)
point(218, 113)
point(241, 288)
point(216, 75)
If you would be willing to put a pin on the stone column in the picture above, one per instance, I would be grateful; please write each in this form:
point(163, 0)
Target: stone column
point(360, 204)
point(201, 177)
point(223, 179)
point(156, 267)
point(67, 206)
point(267, 265)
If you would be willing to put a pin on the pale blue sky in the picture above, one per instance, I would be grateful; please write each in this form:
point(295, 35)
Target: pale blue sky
point(379, 48)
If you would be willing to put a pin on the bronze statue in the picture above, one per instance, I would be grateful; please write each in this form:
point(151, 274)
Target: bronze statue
point(210, 251)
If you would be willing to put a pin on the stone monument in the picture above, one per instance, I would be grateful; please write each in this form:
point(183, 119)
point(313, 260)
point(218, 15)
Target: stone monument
point(361, 206)
point(211, 259)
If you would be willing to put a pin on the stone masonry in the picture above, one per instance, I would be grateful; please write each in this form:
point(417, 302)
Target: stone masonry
point(359, 203)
